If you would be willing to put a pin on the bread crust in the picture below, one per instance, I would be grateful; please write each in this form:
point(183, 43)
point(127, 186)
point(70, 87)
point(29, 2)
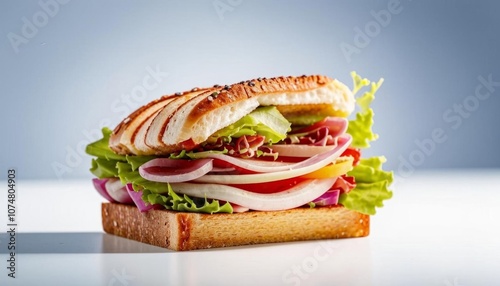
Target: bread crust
point(189, 231)
point(134, 122)
point(219, 106)
point(162, 119)
point(256, 87)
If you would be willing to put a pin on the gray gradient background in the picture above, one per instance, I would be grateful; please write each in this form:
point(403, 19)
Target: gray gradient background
point(70, 76)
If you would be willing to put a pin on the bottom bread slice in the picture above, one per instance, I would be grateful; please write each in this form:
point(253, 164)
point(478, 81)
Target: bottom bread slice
point(188, 231)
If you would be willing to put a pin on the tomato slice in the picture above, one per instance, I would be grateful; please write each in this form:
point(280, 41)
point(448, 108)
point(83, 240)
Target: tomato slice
point(270, 187)
point(355, 153)
point(188, 144)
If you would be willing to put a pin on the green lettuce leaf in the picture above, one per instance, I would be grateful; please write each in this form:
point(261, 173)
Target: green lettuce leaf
point(175, 202)
point(372, 182)
point(195, 155)
point(372, 186)
point(370, 169)
point(103, 168)
point(137, 161)
point(266, 121)
point(360, 128)
point(100, 148)
point(306, 119)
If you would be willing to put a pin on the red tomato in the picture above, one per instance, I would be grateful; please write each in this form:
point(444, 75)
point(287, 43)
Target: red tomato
point(188, 144)
point(355, 153)
point(270, 187)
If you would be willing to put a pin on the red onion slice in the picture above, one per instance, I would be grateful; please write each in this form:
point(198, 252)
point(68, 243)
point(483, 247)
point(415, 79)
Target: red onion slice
point(137, 198)
point(329, 198)
point(168, 170)
point(100, 186)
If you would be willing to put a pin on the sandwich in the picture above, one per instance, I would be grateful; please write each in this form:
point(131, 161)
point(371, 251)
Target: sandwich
point(259, 161)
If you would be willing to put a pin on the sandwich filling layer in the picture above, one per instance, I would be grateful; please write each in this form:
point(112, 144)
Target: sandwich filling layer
point(261, 145)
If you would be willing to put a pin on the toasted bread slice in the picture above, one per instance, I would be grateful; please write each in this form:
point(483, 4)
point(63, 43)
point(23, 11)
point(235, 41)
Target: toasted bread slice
point(188, 231)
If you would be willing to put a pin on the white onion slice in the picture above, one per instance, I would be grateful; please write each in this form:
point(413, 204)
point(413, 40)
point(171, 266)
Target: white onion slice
point(316, 162)
point(296, 196)
point(175, 170)
point(239, 209)
point(118, 191)
point(255, 165)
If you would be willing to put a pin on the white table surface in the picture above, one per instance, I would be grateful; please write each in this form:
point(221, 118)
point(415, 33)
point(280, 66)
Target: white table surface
point(441, 228)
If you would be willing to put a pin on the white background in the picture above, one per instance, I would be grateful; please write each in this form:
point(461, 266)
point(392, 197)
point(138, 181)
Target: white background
point(441, 228)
